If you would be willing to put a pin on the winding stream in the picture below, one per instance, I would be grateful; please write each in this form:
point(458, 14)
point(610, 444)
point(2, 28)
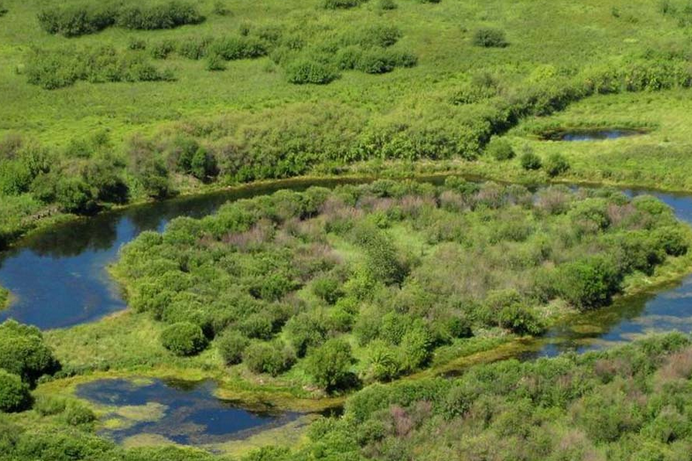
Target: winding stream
point(59, 279)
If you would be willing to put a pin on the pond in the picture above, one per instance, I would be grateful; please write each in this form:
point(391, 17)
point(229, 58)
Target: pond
point(591, 135)
point(183, 412)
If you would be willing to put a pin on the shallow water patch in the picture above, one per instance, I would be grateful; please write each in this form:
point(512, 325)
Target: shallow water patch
point(182, 412)
point(591, 134)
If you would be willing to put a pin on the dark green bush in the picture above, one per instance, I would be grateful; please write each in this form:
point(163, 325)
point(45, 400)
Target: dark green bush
point(77, 414)
point(75, 20)
point(588, 283)
point(556, 164)
point(231, 346)
point(330, 364)
point(232, 48)
point(341, 4)
point(262, 357)
point(184, 339)
point(500, 149)
point(3, 9)
point(305, 71)
point(387, 5)
point(215, 63)
point(161, 50)
point(530, 161)
point(490, 38)
point(158, 16)
point(194, 47)
point(23, 351)
point(14, 394)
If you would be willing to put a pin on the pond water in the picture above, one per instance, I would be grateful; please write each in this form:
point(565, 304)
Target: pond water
point(184, 412)
point(591, 135)
point(59, 277)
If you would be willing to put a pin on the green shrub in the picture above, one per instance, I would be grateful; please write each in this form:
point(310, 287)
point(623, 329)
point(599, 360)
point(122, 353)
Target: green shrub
point(77, 414)
point(588, 283)
point(194, 47)
point(162, 49)
point(220, 9)
point(490, 38)
point(341, 4)
point(530, 161)
point(305, 71)
point(556, 164)
point(158, 16)
point(387, 5)
point(232, 48)
point(231, 346)
point(375, 62)
point(184, 339)
point(520, 320)
point(49, 405)
point(500, 149)
point(14, 394)
point(215, 63)
point(3, 9)
point(23, 351)
point(262, 357)
point(330, 364)
point(75, 20)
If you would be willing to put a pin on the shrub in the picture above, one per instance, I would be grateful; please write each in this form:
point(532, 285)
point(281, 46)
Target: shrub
point(328, 289)
point(588, 283)
point(519, 319)
point(220, 8)
point(215, 63)
point(162, 49)
point(530, 161)
point(14, 394)
point(306, 71)
point(76, 20)
point(3, 9)
point(184, 339)
point(194, 48)
point(77, 414)
point(500, 149)
point(23, 351)
point(375, 62)
point(231, 346)
point(262, 357)
point(158, 16)
point(329, 365)
point(387, 5)
point(379, 35)
point(556, 164)
point(341, 4)
point(233, 48)
point(490, 38)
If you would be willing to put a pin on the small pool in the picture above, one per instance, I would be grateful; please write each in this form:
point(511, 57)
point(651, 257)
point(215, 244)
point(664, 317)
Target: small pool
point(183, 412)
point(591, 135)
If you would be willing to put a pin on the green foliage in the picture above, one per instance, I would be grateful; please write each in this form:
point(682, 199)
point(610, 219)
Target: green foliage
point(500, 149)
point(530, 161)
point(387, 5)
point(87, 18)
point(23, 351)
point(231, 346)
point(341, 4)
point(306, 71)
point(329, 365)
point(268, 358)
point(59, 68)
point(490, 38)
point(14, 394)
point(184, 339)
point(556, 164)
point(588, 283)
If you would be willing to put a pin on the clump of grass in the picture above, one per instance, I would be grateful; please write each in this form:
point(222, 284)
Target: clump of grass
point(490, 38)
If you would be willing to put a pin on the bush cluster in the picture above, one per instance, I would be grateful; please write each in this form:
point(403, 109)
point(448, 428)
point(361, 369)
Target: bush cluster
point(265, 279)
point(184, 339)
point(87, 18)
point(59, 68)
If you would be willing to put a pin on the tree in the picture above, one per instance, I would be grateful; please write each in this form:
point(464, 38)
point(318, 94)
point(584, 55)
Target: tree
point(23, 351)
point(329, 365)
point(231, 346)
point(184, 339)
point(14, 394)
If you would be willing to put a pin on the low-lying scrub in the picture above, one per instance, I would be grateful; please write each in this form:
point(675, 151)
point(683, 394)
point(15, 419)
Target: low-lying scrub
point(87, 18)
point(395, 269)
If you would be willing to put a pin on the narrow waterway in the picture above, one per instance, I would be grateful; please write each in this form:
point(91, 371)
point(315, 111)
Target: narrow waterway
point(59, 278)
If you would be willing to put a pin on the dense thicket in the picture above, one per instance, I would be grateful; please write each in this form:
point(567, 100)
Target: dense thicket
point(398, 271)
point(72, 20)
point(630, 403)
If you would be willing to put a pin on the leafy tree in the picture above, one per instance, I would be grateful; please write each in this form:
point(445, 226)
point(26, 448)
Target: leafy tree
point(329, 365)
point(231, 346)
point(261, 357)
point(184, 339)
point(500, 149)
point(23, 351)
point(14, 394)
point(588, 283)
